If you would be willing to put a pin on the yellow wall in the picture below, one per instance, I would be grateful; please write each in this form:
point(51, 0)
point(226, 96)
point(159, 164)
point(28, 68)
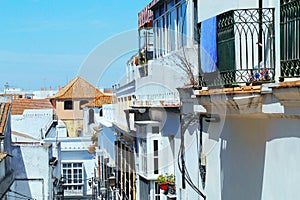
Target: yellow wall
point(73, 126)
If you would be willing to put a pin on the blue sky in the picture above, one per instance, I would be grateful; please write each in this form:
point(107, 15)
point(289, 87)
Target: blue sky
point(43, 43)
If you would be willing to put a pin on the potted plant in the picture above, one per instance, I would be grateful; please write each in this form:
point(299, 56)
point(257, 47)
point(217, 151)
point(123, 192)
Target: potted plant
point(162, 181)
point(166, 181)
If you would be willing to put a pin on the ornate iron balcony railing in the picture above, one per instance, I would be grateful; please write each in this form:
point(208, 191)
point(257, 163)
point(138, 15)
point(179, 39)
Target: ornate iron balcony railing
point(290, 38)
point(245, 43)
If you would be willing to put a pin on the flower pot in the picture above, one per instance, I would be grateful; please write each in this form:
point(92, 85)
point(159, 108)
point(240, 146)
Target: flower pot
point(163, 186)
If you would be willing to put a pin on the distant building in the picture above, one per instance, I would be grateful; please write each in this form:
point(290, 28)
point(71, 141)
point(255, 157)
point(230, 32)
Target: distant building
point(98, 116)
point(93, 109)
point(18, 93)
point(68, 103)
point(39, 113)
point(32, 120)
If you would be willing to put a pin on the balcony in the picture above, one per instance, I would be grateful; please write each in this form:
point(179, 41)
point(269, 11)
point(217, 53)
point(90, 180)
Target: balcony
point(245, 49)
point(167, 99)
point(289, 39)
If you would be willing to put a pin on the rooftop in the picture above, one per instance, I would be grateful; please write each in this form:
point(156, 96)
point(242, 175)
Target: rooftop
point(4, 109)
point(19, 105)
point(78, 88)
point(99, 101)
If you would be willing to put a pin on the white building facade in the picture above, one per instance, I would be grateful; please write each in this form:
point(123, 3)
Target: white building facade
point(246, 115)
point(226, 139)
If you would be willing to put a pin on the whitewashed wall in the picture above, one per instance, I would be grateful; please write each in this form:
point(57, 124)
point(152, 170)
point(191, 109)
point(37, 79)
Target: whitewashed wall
point(39, 121)
point(33, 174)
point(255, 159)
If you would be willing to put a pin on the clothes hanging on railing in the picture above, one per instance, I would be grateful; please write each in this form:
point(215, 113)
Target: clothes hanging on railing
point(208, 45)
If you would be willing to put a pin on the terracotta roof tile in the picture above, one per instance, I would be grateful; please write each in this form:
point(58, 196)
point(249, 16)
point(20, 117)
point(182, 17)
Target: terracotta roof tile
point(99, 101)
point(19, 105)
point(4, 111)
point(77, 88)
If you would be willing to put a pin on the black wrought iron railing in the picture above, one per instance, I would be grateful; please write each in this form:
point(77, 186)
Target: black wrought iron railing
point(290, 38)
point(245, 48)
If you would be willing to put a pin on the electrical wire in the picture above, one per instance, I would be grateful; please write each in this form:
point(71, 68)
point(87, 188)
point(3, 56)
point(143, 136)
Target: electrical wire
point(187, 175)
point(183, 169)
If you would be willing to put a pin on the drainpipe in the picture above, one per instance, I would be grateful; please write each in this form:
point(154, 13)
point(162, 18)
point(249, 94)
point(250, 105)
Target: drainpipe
point(202, 176)
point(182, 157)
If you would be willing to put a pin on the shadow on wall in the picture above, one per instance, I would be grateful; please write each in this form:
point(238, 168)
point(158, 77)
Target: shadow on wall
point(243, 155)
point(20, 172)
point(242, 158)
point(171, 126)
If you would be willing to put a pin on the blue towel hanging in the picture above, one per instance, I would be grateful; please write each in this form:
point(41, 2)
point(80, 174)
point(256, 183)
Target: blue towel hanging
point(208, 48)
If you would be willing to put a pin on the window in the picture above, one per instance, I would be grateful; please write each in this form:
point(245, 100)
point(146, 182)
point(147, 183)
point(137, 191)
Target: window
point(91, 116)
point(143, 155)
point(155, 129)
point(101, 112)
point(155, 149)
point(289, 38)
point(73, 176)
point(172, 17)
point(196, 30)
point(82, 102)
point(68, 105)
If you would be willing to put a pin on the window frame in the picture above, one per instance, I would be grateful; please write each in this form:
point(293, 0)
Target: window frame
point(68, 105)
point(73, 173)
point(167, 25)
point(155, 157)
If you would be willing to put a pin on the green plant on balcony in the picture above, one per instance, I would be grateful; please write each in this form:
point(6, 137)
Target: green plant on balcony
point(161, 179)
point(166, 182)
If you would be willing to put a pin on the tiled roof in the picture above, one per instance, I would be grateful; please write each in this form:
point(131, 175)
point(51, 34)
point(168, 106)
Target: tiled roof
point(4, 109)
point(19, 105)
point(77, 88)
point(99, 101)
